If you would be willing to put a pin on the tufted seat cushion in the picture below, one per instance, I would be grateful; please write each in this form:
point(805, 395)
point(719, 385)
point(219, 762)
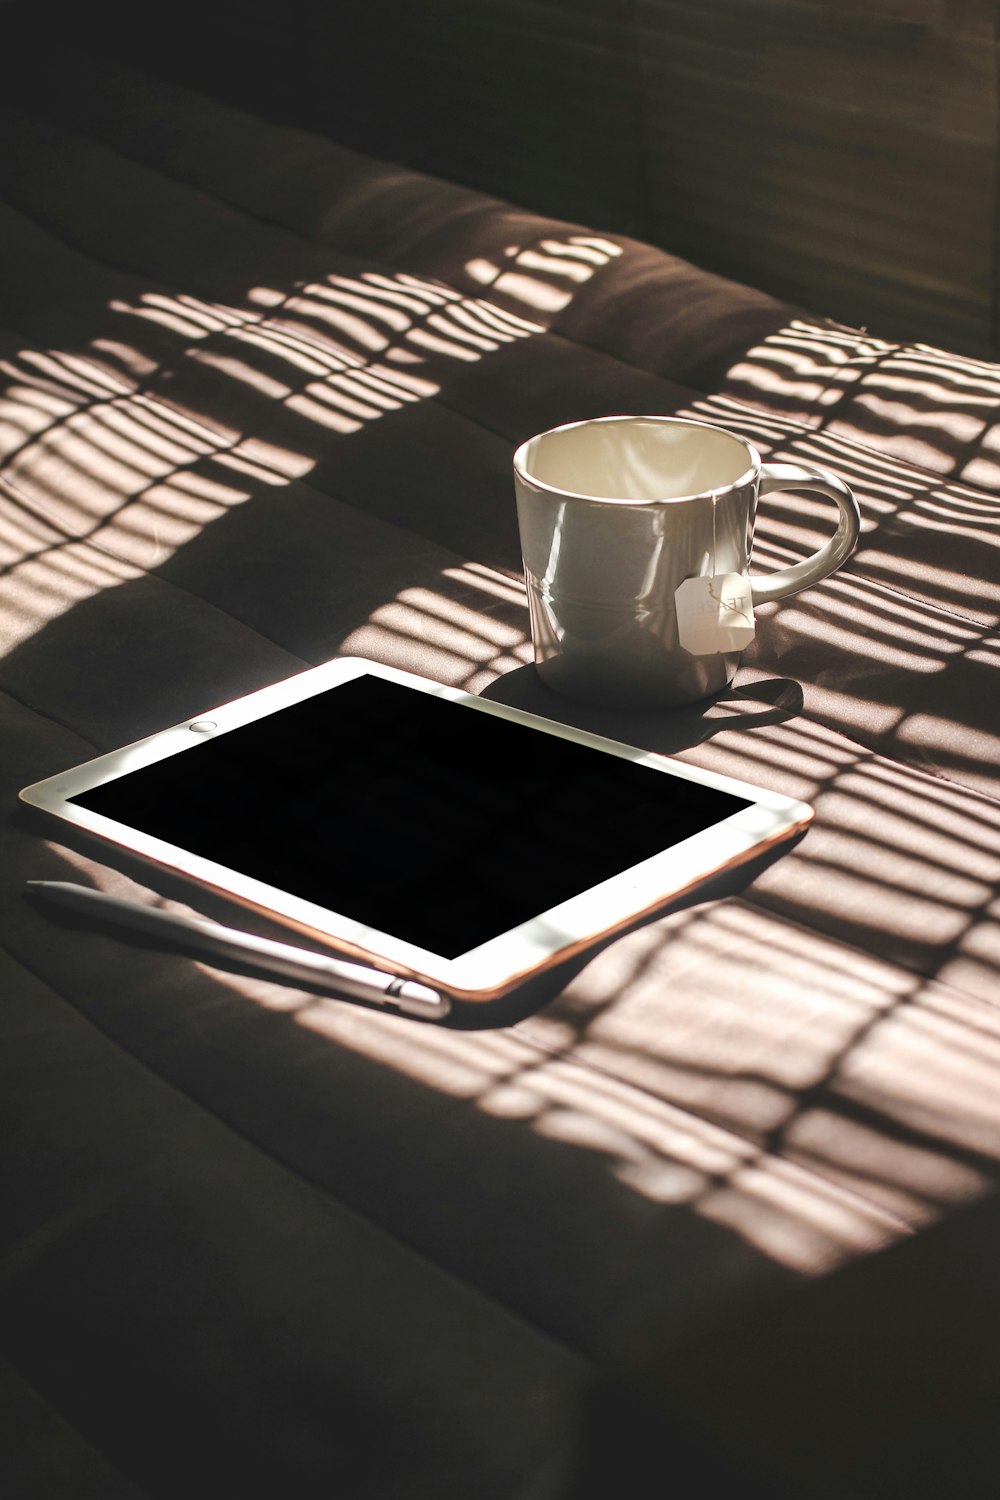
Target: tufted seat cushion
point(260, 395)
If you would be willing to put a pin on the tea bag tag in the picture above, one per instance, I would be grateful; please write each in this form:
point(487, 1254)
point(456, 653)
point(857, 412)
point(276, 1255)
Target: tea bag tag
point(714, 613)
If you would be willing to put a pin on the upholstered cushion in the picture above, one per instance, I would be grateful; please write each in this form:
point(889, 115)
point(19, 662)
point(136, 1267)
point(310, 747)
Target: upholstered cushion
point(260, 399)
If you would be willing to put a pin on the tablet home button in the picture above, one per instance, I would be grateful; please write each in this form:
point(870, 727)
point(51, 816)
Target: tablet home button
point(203, 726)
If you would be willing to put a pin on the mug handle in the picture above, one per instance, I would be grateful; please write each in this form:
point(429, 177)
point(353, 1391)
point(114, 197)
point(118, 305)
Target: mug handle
point(785, 581)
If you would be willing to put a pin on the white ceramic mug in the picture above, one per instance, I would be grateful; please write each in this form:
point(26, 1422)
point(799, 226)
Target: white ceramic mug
point(615, 515)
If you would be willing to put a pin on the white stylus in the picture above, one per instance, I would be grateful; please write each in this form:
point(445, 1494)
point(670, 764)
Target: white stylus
point(211, 938)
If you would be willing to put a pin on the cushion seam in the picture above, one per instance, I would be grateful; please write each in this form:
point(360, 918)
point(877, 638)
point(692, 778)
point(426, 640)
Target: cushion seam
point(327, 1194)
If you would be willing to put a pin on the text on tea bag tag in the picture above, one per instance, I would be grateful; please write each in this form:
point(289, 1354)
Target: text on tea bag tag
point(714, 612)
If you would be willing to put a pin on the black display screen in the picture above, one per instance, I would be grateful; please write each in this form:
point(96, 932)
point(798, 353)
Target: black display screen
point(438, 824)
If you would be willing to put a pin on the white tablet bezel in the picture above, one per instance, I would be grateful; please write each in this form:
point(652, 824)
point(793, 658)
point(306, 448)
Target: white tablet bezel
point(495, 967)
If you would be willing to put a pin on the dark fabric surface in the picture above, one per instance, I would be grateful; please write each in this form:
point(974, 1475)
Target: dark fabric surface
point(839, 155)
point(877, 1382)
point(260, 401)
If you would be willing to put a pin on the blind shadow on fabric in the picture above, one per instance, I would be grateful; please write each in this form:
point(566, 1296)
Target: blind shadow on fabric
point(106, 477)
point(793, 1123)
point(915, 610)
point(810, 1128)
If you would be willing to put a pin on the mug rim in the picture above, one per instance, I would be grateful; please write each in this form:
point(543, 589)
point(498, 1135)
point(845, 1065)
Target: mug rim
point(526, 478)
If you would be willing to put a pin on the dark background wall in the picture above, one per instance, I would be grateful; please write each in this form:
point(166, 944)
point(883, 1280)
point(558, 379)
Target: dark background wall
point(839, 153)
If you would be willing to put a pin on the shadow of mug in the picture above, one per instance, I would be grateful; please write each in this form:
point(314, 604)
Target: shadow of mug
point(773, 700)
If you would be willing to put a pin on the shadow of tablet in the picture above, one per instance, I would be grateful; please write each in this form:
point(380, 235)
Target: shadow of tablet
point(521, 688)
point(770, 701)
point(537, 992)
point(526, 1000)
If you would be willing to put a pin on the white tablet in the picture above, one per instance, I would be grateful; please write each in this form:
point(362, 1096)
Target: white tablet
point(430, 832)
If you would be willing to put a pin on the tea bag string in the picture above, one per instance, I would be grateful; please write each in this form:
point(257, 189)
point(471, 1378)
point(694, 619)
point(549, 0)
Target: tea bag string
point(713, 587)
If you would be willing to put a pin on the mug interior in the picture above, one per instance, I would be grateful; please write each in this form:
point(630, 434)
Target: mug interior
point(635, 459)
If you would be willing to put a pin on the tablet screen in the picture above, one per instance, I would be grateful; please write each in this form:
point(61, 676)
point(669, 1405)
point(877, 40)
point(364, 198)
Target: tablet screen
point(438, 824)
